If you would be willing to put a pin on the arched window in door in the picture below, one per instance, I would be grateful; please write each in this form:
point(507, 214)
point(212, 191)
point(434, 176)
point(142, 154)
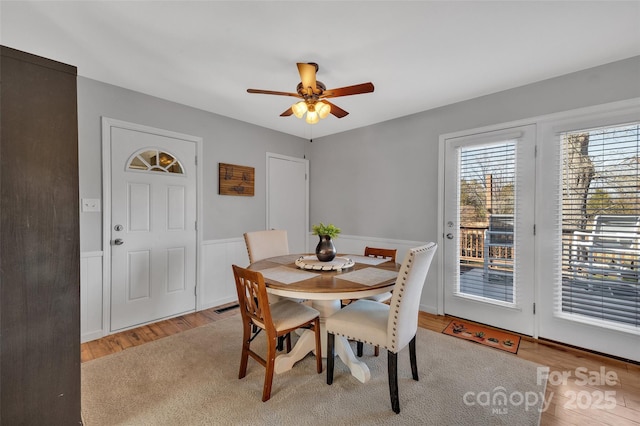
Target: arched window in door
point(155, 160)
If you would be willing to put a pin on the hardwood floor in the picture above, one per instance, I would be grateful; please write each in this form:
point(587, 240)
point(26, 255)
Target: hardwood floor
point(596, 390)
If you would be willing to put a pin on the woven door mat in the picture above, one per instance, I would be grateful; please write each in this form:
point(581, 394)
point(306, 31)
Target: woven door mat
point(486, 336)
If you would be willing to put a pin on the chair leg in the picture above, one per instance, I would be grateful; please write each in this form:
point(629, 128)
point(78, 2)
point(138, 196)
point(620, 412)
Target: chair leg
point(359, 346)
point(288, 339)
point(331, 338)
point(268, 375)
point(392, 366)
point(244, 357)
point(280, 345)
point(412, 357)
point(316, 331)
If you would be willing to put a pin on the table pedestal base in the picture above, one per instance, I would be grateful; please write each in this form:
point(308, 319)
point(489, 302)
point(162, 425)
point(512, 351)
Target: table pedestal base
point(306, 344)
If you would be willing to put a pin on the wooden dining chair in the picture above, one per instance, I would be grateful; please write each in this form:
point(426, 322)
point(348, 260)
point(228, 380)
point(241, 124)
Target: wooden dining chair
point(383, 253)
point(380, 253)
point(277, 319)
point(393, 326)
point(264, 244)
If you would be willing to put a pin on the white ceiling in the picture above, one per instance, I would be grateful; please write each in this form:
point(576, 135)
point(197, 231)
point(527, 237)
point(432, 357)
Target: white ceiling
point(418, 54)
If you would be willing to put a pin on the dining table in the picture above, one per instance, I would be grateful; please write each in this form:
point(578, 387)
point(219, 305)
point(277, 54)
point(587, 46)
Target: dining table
point(324, 285)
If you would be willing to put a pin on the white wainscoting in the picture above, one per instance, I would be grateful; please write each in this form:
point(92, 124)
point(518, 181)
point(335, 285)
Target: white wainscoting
point(91, 293)
point(216, 286)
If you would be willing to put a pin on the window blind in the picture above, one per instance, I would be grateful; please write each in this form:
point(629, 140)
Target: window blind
point(486, 193)
point(600, 226)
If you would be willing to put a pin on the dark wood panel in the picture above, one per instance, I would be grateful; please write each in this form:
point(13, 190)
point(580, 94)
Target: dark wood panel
point(39, 242)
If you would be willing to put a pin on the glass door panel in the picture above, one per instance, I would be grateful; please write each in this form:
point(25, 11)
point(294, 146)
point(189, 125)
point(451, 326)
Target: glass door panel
point(488, 245)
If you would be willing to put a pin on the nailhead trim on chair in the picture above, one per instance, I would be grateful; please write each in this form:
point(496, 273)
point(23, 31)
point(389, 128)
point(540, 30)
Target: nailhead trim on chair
point(400, 291)
point(396, 308)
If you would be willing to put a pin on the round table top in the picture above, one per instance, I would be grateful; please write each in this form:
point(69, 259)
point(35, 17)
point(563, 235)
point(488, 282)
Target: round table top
point(327, 284)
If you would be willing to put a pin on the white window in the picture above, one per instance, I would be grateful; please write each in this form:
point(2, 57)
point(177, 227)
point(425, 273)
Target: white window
point(600, 225)
point(155, 160)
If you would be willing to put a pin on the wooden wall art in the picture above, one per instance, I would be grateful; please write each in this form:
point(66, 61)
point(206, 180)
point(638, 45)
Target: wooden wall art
point(236, 180)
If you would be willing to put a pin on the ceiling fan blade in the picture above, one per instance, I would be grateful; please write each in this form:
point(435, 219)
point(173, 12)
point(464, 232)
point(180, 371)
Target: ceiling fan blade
point(308, 76)
point(348, 90)
point(287, 113)
point(336, 110)
point(271, 92)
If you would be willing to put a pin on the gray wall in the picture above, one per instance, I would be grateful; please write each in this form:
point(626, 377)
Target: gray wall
point(378, 181)
point(381, 180)
point(224, 140)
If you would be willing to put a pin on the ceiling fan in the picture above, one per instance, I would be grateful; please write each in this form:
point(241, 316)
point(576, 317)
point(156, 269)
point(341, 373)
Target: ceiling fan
point(314, 95)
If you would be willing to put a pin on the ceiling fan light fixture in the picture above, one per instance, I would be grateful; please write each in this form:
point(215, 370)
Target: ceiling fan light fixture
point(299, 109)
point(312, 117)
point(323, 109)
point(311, 91)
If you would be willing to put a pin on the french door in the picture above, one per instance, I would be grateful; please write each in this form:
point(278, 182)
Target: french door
point(589, 273)
point(489, 188)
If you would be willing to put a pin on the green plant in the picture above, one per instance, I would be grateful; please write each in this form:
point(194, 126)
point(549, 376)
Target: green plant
point(322, 229)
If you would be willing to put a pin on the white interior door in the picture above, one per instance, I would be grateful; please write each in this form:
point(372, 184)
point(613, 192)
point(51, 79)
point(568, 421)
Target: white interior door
point(488, 226)
point(288, 199)
point(153, 226)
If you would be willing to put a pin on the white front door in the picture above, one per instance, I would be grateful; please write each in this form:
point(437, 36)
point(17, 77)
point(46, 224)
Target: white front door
point(488, 227)
point(288, 199)
point(153, 226)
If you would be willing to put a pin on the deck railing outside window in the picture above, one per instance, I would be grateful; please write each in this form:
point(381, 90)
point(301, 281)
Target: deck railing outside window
point(472, 246)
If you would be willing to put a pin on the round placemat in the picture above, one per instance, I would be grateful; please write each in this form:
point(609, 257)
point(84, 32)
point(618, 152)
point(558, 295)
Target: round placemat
point(312, 263)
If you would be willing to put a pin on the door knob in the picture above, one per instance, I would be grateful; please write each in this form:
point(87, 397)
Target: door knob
point(450, 236)
point(118, 242)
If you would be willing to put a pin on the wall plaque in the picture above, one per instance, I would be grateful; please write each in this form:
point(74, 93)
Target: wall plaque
point(235, 180)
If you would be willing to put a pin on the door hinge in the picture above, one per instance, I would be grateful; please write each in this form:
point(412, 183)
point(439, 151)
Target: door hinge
point(195, 225)
point(196, 160)
point(534, 308)
point(195, 291)
point(534, 229)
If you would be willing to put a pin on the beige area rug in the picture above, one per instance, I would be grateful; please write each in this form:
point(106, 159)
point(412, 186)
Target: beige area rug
point(191, 378)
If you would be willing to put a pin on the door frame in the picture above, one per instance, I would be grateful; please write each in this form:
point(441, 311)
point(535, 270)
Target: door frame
point(268, 186)
point(107, 124)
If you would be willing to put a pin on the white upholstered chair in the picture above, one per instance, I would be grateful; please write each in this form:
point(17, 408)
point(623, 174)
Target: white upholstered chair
point(392, 326)
point(277, 320)
point(380, 253)
point(265, 244)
